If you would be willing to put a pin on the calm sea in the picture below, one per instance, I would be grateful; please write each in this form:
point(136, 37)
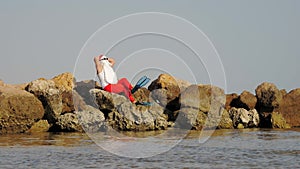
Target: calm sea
point(255, 148)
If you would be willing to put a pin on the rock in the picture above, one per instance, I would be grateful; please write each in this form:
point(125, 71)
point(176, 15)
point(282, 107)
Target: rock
point(205, 98)
point(278, 121)
point(201, 106)
point(171, 86)
point(91, 119)
point(268, 97)
point(226, 121)
point(290, 108)
point(123, 115)
point(64, 81)
point(83, 88)
point(1, 83)
point(40, 126)
point(49, 95)
point(283, 92)
point(78, 102)
point(229, 99)
point(67, 123)
point(88, 120)
point(182, 84)
point(19, 110)
point(190, 118)
point(246, 100)
point(142, 95)
point(241, 116)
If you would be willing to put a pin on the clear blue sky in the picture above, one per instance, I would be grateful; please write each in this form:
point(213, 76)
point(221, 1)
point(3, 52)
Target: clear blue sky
point(258, 40)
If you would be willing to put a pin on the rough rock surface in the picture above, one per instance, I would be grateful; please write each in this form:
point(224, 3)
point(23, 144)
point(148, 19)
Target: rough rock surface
point(268, 97)
point(290, 108)
point(202, 106)
point(67, 122)
point(123, 115)
point(189, 118)
point(203, 97)
point(91, 119)
point(246, 100)
point(244, 119)
point(19, 110)
point(49, 95)
point(142, 95)
point(64, 81)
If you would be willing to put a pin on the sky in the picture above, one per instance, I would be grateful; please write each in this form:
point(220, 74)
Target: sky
point(256, 40)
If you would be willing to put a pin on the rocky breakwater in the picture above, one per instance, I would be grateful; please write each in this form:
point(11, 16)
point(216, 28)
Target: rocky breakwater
point(269, 108)
point(62, 104)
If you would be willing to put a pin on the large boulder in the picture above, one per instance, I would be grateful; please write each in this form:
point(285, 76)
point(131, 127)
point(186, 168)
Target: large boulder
point(49, 95)
point(243, 118)
point(19, 110)
point(246, 100)
point(202, 106)
point(123, 115)
point(89, 120)
point(205, 98)
point(268, 97)
point(190, 118)
point(290, 108)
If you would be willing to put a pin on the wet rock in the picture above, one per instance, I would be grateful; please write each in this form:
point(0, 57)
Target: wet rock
point(290, 108)
point(123, 115)
point(40, 126)
point(246, 100)
point(278, 121)
point(19, 110)
point(248, 119)
point(190, 118)
point(226, 121)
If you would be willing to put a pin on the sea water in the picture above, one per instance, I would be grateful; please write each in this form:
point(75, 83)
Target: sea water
point(247, 148)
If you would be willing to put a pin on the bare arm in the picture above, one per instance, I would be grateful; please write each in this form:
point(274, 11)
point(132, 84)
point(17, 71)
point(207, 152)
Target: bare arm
point(98, 65)
point(111, 61)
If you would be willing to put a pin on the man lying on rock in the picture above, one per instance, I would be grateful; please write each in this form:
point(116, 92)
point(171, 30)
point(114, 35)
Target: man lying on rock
point(109, 81)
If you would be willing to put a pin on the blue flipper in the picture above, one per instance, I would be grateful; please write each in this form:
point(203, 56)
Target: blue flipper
point(142, 82)
point(144, 103)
